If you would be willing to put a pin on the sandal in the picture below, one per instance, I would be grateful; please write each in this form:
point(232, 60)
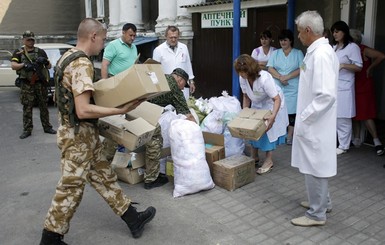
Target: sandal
point(266, 170)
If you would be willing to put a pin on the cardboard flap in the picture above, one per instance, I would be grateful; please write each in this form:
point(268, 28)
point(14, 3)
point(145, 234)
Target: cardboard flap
point(116, 120)
point(213, 139)
point(151, 61)
point(148, 111)
point(138, 126)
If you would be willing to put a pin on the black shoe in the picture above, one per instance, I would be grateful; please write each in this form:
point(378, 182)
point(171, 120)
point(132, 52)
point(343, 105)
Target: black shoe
point(51, 238)
point(25, 134)
point(49, 131)
point(161, 180)
point(379, 150)
point(136, 220)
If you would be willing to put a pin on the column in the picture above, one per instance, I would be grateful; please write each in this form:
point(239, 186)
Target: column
point(114, 28)
point(183, 20)
point(167, 15)
point(131, 12)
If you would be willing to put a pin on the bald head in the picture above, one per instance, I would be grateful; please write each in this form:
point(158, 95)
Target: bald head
point(91, 36)
point(89, 26)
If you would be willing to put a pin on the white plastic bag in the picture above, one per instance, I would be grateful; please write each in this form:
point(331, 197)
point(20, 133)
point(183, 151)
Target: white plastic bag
point(191, 171)
point(164, 122)
point(233, 146)
point(225, 103)
point(213, 122)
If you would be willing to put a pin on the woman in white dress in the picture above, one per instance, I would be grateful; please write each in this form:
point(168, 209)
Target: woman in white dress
point(260, 92)
point(263, 52)
point(349, 56)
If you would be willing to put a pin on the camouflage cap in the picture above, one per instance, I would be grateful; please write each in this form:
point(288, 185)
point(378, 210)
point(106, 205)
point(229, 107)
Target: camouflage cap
point(180, 72)
point(29, 34)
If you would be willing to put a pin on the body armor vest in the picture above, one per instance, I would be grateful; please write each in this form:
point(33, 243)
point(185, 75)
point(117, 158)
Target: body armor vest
point(32, 56)
point(64, 97)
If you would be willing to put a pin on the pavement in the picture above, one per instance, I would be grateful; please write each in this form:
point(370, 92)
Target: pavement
point(257, 213)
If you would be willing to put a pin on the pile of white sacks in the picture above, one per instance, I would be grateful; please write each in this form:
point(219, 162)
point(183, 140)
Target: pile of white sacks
point(191, 171)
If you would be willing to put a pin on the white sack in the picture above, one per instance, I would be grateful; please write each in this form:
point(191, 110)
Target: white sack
point(225, 103)
point(191, 171)
point(233, 145)
point(164, 122)
point(213, 122)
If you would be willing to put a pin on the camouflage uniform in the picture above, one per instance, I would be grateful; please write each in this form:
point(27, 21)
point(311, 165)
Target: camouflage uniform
point(32, 92)
point(153, 148)
point(81, 159)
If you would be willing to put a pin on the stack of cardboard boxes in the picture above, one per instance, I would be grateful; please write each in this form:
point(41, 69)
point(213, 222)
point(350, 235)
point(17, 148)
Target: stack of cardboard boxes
point(136, 128)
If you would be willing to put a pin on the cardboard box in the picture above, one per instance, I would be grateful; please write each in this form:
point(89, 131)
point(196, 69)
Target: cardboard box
point(128, 160)
point(128, 166)
point(233, 172)
point(249, 124)
point(170, 169)
point(140, 81)
point(129, 175)
point(132, 134)
point(214, 148)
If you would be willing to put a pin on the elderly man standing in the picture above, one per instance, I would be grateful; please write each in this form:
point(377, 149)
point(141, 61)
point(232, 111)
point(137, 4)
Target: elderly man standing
point(173, 54)
point(120, 54)
point(316, 119)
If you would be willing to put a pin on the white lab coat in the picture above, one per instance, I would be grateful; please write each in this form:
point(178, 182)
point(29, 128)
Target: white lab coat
point(261, 94)
point(314, 141)
point(171, 60)
point(346, 103)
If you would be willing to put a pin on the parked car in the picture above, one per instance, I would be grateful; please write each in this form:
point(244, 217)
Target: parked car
point(54, 52)
point(7, 75)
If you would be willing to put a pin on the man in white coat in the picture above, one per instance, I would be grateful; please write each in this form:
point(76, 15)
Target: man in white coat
point(173, 54)
point(314, 142)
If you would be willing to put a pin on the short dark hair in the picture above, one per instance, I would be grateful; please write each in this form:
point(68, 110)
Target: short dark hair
point(129, 26)
point(265, 34)
point(287, 33)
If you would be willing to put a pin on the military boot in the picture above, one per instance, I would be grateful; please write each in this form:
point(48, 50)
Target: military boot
point(51, 238)
point(136, 220)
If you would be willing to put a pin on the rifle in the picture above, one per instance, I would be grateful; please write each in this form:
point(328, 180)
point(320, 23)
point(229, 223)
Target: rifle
point(38, 68)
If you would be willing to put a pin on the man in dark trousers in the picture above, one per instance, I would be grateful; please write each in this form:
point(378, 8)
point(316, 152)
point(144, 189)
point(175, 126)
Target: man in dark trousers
point(31, 64)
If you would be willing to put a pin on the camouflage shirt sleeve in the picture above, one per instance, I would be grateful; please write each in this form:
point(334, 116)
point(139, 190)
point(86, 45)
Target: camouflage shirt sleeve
point(78, 76)
point(175, 97)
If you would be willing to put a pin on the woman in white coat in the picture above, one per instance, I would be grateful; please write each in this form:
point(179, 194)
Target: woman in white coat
point(259, 90)
point(315, 128)
point(349, 56)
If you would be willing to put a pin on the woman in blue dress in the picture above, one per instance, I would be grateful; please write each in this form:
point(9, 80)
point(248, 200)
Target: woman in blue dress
point(260, 92)
point(284, 65)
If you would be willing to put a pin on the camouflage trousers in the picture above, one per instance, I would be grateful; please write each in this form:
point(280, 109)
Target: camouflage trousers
point(82, 162)
point(153, 152)
point(28, 95)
